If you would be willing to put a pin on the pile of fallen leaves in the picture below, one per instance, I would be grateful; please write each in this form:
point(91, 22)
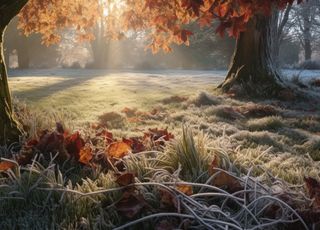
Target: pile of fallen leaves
point(100, 149)
point(225, 201)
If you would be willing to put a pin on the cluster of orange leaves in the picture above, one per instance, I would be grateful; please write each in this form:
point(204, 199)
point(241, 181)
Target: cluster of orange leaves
point(164, 21)
point(83, 150)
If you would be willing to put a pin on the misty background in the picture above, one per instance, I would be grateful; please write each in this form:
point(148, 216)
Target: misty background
point(299, 47)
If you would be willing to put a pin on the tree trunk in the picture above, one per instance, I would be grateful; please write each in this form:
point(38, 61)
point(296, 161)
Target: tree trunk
point(252, 71)
point(10, 129)
point(307, 49)
point(306, 15)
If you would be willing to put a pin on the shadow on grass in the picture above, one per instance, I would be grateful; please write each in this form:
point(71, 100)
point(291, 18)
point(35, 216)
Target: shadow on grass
point(39, 93)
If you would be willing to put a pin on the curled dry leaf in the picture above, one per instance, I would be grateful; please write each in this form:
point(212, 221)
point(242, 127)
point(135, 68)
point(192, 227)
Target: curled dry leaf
point(185, 189)
point(167, 199)
point(6, 165)
point(223, 179)
point(86, 155)
point(52, 142)
point(130, 206)
point(135, 143)
point(118, 150)
point(125, 179)
point(74, 144)
point(158, 136)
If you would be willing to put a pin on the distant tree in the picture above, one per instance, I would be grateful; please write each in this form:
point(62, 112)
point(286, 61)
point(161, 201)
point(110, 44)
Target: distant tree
point(29, 50)
point(306, 26)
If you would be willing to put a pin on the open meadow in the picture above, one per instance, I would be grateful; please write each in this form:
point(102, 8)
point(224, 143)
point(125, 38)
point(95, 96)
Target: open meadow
point(268, 147)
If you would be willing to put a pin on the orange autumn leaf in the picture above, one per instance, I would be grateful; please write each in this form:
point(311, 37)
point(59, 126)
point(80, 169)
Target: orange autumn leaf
point(185, 189)
point(118, 149)
point(86, 155)
point(6, 165)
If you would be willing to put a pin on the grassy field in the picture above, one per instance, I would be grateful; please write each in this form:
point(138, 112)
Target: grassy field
point(268, 147)
point(88, 94)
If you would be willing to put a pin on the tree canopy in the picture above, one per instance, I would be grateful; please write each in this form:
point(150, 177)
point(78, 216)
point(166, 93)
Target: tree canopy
point(164, 20)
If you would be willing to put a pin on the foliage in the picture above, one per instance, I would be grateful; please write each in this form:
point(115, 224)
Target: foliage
point(165, 20)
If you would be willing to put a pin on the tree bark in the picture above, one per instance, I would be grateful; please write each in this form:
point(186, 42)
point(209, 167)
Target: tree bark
point(252, 71)
point(306, 15)
point(10, 129)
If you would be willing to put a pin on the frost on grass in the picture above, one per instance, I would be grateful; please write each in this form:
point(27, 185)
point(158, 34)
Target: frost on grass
point(263, 146)
point(193, 180)
point(266, 123)
point(205, 99)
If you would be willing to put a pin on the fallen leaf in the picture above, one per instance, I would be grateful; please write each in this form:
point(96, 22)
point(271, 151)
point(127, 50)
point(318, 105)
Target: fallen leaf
point(86, 155)
point(313, 187)
point(118, 149)
point(185, 189)
point(6, 165)
point(135, 143)
point(167, 199)
point(130, 206)
point(50, 142)
point(125, 179)
point(223, 179)
point(74, 144)
point(158, 136)
point(108, 136)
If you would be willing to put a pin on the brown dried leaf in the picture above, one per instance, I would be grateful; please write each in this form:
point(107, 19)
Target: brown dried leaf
point(125, 179)
point(130, 206)
point(313, 187)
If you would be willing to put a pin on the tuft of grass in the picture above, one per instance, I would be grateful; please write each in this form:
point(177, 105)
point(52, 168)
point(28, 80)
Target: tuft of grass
point(260, 138)
point(35, 120)
point(267, 123)
point(190, 154)
point(174, 99)
point(258, 111)
point(204, 99)
point(224, 112)
point(112, 120)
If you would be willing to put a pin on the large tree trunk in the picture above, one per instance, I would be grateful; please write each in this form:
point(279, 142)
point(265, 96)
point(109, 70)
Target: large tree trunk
point(10, 129)
point(252, 71)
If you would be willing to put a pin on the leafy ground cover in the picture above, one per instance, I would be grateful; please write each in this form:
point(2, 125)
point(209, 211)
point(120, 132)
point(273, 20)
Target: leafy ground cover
point(182, 160)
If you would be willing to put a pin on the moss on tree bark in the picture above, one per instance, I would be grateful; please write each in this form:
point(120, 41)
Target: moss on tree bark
point(10, 129)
